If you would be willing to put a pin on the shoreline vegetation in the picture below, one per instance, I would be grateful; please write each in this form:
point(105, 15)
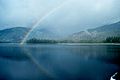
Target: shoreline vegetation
point(47, 41)
point(107, 40)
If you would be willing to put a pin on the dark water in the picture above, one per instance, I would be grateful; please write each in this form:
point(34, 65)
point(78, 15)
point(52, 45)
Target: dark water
point(58, 62)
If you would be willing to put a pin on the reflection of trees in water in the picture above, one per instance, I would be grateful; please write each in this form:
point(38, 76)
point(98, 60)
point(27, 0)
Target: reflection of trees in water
point(36, 62)
point(110, 53)
point(55, 58)
point(20, 54)
point(10, 52)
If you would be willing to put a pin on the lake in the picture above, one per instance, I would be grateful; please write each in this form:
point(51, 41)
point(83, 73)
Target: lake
point(58, 61)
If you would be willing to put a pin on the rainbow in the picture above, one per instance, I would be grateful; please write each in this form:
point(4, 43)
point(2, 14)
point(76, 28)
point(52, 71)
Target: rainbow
point(42, 19)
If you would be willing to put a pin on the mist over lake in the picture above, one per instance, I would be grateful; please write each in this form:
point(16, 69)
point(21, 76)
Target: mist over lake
point(58, 61)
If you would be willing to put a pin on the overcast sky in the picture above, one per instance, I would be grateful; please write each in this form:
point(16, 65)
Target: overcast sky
point(74, 16)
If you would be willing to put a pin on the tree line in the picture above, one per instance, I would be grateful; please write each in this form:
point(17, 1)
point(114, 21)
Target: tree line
point(112, 40)
point(34, 40)
point(107, 40)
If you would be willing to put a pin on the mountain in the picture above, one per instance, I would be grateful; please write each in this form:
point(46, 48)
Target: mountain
point(44, 33)
point(17, 34)
point(97, 34)
point(13, 34)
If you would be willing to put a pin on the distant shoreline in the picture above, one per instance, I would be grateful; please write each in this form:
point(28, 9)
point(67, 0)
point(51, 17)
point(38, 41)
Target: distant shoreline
point(89, 43)
point(67, 43)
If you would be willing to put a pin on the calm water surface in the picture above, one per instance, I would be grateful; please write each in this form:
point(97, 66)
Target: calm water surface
point(58, 62)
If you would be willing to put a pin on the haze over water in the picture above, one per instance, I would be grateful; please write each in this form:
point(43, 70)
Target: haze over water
point(62, 62)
